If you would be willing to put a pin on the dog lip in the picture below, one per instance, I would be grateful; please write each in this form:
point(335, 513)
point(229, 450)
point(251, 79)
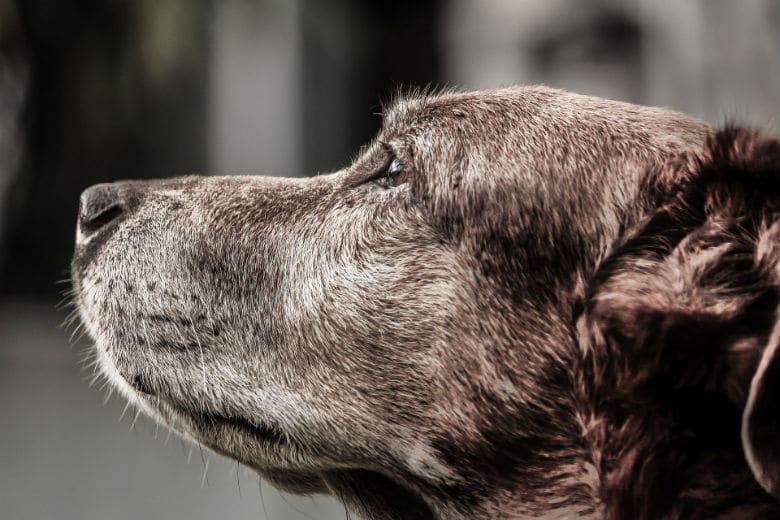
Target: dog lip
point(262, 432)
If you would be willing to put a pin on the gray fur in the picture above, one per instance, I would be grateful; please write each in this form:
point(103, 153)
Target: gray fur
point(407, 345)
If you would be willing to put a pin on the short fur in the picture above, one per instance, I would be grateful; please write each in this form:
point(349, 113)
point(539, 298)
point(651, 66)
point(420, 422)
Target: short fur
point(561, 307)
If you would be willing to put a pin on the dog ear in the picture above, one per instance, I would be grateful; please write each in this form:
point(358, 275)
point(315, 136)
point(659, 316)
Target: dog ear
point(680, 328)
point(761, 419)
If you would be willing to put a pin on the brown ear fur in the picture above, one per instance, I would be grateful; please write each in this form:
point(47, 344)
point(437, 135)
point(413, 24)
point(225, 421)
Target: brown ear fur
point(761, 419)
point(674, 327)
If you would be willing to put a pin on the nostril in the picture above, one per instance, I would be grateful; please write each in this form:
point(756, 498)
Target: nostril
point(99, 205)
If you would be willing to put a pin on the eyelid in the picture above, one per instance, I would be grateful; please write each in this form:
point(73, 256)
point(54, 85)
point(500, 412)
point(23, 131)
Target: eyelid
point(381, 171)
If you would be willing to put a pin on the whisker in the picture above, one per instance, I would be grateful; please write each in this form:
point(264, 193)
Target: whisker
point(124, 410)
point(109, 393)
point(135, 419)
point(205, 463)
point(262, 499)
point(238, 480)
point(78, 332)
point(289, 504)
point(205, 479)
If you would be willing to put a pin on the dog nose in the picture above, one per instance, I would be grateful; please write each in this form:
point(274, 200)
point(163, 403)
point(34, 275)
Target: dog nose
point(99, 205)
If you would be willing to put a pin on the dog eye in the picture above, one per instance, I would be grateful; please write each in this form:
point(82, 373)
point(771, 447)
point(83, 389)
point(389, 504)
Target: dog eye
point(393, 175)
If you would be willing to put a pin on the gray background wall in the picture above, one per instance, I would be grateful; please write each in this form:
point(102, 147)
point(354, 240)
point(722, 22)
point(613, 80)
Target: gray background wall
point(95, 91)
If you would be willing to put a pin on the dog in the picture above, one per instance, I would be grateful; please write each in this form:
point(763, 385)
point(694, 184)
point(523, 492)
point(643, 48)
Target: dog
point(515, 303)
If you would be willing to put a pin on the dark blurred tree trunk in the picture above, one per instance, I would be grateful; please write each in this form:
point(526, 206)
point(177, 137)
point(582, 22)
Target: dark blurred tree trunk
point(117, 89)
point(356, 54)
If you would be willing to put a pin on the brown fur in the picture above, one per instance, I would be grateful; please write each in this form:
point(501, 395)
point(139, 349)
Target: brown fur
point(520, 303)
point(678, 317)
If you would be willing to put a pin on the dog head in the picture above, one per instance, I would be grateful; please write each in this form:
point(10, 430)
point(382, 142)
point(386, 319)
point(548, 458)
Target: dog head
point(506, 302)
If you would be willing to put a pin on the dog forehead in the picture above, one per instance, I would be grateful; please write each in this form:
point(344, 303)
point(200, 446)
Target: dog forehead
point(562, 114)
point(496, 107)
point(413, 112)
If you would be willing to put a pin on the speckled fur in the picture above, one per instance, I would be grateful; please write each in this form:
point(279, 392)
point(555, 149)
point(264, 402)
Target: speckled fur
point(449, 348)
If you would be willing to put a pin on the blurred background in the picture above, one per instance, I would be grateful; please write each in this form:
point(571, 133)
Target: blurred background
point(94, 91)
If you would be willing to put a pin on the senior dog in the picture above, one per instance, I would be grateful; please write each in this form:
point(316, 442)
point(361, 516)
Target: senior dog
point(516, 303)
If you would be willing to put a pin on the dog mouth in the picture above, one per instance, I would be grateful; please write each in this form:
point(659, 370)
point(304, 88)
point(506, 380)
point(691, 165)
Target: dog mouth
point(261, 432)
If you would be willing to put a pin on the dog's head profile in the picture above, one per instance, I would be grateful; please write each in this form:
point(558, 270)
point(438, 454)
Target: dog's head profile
point(520, 303)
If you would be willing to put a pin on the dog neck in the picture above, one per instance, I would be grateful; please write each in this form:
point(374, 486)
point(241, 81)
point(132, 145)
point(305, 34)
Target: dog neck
point(653, 458)
point(369, 495)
